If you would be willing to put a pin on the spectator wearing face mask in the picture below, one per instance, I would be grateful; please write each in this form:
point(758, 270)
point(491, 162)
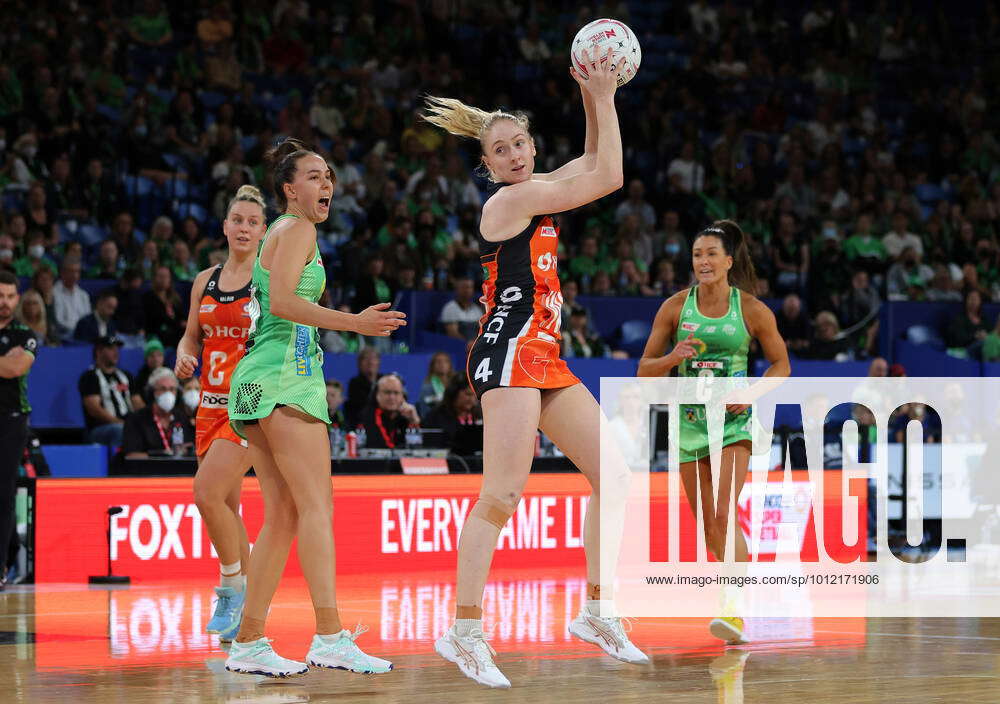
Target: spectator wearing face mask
point(162, 428)
point(191, 398)
point(34, 257)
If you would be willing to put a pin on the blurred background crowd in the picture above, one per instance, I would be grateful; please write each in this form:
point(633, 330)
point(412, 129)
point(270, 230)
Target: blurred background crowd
point(854, 142)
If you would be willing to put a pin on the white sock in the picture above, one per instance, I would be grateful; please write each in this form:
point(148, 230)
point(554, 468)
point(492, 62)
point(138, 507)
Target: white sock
point(229, 576)
point(593, 606)
point(465, 626)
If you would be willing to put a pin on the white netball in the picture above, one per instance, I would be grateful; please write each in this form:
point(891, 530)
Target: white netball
point(600, 35)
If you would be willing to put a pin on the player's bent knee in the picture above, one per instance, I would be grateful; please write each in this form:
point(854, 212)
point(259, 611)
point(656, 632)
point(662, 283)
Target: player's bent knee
point(492, 510)
point(207, 494)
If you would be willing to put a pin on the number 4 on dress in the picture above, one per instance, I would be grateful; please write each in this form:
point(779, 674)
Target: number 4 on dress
point(483, 371)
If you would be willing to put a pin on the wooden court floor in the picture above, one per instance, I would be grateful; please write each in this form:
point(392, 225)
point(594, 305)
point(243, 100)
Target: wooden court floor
point(146, 644)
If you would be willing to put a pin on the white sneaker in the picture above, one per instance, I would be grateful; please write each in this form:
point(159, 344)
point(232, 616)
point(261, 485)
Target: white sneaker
point(258, 658)
point(609, 634)
point(340, 652)
point(729, 629)
point(473, 655)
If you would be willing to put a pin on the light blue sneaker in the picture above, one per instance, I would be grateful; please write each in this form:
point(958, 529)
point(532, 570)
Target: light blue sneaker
point(258, 658)
point(227, 609)
point(230, 633)
point(339, 651)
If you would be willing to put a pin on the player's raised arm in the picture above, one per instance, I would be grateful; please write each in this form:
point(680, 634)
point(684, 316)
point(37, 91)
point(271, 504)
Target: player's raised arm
point(503, 213)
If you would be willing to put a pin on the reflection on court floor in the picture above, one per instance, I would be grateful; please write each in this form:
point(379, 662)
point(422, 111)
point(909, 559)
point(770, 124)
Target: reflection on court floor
point(60, 642)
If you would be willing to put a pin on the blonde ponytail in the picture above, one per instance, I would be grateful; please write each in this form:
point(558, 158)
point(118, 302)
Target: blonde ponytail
point(463, 120)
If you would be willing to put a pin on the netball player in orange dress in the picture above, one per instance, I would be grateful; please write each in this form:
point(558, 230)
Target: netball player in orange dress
point(218, 323)
point(514, 364)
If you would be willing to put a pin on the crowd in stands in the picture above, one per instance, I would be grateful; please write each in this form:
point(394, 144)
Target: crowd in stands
point(854, 142)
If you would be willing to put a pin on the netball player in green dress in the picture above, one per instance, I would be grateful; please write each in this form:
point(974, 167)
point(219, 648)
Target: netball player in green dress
point(278, 404)
point(711, 325)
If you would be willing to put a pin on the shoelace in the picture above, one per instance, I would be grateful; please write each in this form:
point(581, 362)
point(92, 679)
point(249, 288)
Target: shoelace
point(352, 651)
point(224, 605)
point(476, 658)
point(261, 646)
point(617, 635)
point(358, 630)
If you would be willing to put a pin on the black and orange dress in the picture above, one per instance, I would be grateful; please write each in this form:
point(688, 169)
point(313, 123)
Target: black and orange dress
point(518, 340)
point(225, 323)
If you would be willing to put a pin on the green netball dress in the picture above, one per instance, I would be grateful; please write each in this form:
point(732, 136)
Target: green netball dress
point(283, 364)
point(726, 343)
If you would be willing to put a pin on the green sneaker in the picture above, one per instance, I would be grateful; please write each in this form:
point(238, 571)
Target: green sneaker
point(258, 658)
point(339, 651)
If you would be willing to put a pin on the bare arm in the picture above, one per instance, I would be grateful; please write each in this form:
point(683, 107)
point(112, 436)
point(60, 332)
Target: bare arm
point(92, 405)
point(762, 325)
point(509, 210)
point(654, 362)
point(292, 249)
point(16, 363)
point(189, 346)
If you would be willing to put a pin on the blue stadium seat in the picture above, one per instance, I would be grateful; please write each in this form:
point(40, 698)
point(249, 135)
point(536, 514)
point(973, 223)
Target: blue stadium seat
point(113, 114)
point(138, 186)
point(175, 162)
point(924, 335)
point(178, 188)
point(195, 210)
point(91, 235)
point(211, 99)
point(928, 193)
point(13, 199)
point(633, 336)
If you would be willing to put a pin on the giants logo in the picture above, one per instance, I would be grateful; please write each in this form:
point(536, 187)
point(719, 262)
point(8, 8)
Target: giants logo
point(235, 332)
point(214, 400)
point(534, 357)
point(546, 262)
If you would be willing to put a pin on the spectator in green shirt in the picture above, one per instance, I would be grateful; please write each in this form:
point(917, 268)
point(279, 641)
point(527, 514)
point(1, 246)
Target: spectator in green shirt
point(585, 266)
point(11, 96)
point(991, 344)
point(863, 248)
point(106, 83)
point(151, 27)
point(34, 256)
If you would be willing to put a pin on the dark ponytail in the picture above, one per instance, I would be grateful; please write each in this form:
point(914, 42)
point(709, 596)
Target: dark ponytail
point(282, 161)
point(734, 242)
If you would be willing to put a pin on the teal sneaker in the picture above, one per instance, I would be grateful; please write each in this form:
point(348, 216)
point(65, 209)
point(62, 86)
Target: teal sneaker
point(339, 651)
point(258, 658)
point(227, 609)
point(230, 633)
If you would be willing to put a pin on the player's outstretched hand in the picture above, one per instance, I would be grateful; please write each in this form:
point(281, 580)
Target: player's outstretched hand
point(601, 78)
point(378, 320)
